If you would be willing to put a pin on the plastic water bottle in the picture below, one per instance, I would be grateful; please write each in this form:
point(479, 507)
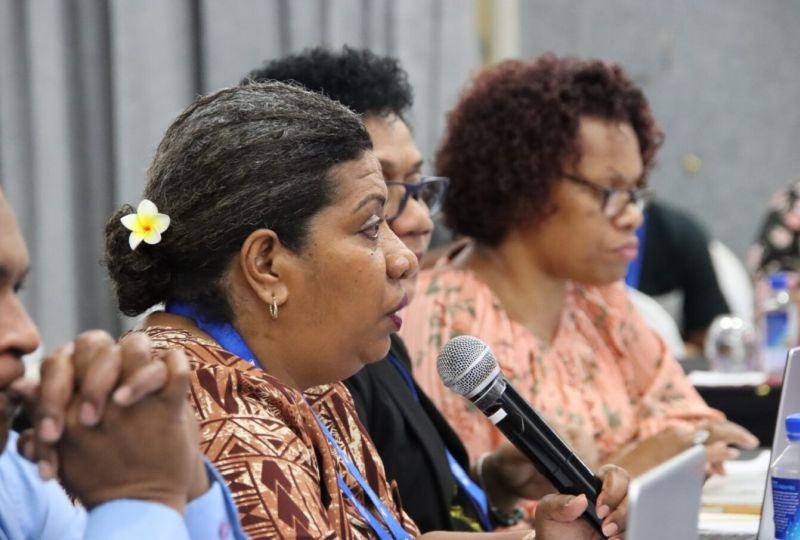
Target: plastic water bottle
point(778, 325)
point(785, 474)
point(731, 345)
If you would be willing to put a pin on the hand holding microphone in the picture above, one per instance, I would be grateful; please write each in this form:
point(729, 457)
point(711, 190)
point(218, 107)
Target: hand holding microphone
point(468, 367)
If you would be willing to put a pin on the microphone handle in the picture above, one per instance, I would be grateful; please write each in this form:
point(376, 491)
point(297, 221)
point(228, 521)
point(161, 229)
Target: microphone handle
point(547, 451)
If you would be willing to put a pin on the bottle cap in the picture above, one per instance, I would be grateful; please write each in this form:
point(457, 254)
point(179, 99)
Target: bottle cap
point(779, 280)
point(793, 427)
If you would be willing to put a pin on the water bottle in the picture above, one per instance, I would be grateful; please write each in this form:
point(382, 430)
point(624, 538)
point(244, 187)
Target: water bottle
point(731, 345)
point(785, 475)
point(778, 325)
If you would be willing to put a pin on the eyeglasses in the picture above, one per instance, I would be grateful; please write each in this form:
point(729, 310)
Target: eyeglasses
point(615, 201)
point(429, 190)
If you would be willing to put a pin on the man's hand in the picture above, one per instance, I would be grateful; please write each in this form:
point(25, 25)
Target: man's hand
point(114, 422)
point(558, 516)
point(147, 451)
point(93, 361)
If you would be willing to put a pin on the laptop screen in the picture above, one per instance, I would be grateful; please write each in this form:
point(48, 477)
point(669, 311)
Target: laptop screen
point(789, 404)
point(664, 502)
point(668, 496)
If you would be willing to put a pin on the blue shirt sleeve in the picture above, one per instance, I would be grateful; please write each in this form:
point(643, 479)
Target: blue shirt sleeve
point(212, 516)
point(129, 519)
point(32, 509)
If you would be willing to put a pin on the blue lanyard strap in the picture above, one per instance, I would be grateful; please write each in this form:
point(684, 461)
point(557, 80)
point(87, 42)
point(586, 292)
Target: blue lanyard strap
point(474, 492)
point(397, 530)
point(634, 273)
point(371, 519)
point(229, 339)
point(401, 369)
point(223, 332)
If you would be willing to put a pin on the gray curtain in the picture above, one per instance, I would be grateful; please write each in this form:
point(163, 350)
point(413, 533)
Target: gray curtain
point(87, 87)
point(722, 78)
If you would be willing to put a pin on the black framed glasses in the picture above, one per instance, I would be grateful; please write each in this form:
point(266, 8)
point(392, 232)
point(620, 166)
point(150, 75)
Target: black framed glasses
point(614, 201)
point(429, 190)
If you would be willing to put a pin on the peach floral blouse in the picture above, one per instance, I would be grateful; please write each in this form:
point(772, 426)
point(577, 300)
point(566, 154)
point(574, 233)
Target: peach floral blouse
point(606, 372)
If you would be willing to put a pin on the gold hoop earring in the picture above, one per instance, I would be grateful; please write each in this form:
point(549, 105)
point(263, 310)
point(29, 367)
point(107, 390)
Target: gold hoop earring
point(273, 308)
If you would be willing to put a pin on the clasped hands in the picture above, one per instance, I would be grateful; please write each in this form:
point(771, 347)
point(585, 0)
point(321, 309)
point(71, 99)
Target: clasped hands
point(112, 421)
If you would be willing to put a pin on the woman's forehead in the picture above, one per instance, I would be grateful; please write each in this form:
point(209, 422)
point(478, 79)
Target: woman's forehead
point(363, 168)
point(353, 182)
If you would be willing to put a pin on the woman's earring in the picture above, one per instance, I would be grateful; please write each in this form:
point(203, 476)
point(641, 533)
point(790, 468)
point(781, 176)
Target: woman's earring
point(273, 308)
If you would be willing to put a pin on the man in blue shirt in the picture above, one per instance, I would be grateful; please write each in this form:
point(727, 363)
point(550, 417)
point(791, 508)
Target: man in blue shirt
point(135, 466)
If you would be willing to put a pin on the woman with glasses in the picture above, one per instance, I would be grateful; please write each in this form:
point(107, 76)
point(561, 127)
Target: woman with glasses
point(548, 162)
point(418, 448)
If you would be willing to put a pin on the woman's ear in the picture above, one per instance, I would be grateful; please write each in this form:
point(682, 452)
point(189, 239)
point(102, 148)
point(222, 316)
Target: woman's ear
point(260, 257)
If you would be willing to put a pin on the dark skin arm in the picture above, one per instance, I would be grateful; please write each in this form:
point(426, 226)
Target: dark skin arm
point(641, 456)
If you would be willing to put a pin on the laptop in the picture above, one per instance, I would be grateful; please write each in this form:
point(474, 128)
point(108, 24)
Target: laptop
point(664, 503)
point(788, 404)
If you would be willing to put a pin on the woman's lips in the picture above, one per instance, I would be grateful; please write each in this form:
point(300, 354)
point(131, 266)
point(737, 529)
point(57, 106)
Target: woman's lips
point(397, 320)
point(628, 251)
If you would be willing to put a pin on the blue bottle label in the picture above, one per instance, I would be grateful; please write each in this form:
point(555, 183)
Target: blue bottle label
point(786, 501)
point(777, 330)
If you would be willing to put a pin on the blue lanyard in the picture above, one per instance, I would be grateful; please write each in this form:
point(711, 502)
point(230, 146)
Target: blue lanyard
point(222, 332)
point(229, 339)
point(473, 490)
point(397, 531)
point(635, 267)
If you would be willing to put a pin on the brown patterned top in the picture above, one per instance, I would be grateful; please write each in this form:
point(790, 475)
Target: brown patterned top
point(266, 443)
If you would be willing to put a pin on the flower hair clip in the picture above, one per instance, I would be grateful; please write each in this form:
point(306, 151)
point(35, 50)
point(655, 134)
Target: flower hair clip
point(146, 224)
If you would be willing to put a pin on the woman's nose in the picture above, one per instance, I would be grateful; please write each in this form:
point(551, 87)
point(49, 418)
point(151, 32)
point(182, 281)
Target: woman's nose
point(414, 220)
point(401, 263)
point(631, 217)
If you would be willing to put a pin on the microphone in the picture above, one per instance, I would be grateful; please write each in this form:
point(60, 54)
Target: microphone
point(467, 366)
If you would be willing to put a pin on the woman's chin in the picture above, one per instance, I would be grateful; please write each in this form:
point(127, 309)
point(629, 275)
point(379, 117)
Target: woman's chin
point(603, 278)
point(380, 352)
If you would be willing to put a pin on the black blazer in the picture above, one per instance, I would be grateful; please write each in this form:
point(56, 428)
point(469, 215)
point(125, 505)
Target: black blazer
point(411, 437)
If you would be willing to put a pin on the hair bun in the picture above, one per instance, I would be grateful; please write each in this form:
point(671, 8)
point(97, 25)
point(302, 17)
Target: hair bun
point(139, 277)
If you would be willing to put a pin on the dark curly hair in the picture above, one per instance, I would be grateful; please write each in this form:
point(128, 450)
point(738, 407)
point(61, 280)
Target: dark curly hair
point(234, 161)
point(358, 78)
point(515, 127)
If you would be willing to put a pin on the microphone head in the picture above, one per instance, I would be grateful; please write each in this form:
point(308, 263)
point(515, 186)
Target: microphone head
point(466, 365)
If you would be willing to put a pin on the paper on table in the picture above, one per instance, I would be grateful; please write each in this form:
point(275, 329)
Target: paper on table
point(717, 378)
point(732, 503)
point(728, 523)
point(741, 490)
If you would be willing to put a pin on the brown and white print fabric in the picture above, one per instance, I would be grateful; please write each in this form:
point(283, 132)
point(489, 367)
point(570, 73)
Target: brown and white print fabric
point(264, 439)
